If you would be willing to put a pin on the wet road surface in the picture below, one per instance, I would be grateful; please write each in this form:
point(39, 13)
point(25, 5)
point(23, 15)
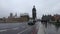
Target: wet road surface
point(49, 28)
point(12, 28)
point(16, 28)
point(21, 28)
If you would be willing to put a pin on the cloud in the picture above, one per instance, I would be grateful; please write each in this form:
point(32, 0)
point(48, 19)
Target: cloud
point(22, 6)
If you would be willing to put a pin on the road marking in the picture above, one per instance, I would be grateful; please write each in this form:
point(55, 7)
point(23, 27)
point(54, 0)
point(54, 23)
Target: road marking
point(8, 29)
point(15, 28)
point(3, 30)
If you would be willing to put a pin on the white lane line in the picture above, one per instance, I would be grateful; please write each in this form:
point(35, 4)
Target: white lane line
point(9, 29)
point(15, 28)
point(3, 30)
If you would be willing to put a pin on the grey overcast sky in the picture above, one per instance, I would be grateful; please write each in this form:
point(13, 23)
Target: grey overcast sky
point(25, 6)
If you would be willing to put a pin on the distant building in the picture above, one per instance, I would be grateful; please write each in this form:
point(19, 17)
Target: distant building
point(11, 14)
point(46, 17)
point(23, 18)
point(15, 16)
point(56, 17)
point(1, 20)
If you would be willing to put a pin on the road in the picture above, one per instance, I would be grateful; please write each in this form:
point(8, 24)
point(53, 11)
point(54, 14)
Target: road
point(12, 28)
point(15, 28)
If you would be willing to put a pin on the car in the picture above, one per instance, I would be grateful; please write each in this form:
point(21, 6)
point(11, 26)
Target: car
point(31, 23)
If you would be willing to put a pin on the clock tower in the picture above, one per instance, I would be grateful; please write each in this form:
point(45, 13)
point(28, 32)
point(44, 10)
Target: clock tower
point(34, 13)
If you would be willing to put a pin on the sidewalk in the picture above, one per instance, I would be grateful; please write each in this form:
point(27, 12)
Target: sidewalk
point(41, 29)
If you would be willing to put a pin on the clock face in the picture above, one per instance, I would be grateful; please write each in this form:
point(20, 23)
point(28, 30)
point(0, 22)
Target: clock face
point(33, 9)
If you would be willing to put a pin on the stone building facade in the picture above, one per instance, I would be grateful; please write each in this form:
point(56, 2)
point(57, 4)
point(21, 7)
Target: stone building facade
point(22, 18)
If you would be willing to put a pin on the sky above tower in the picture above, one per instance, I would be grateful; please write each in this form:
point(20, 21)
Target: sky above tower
point(25, 6)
